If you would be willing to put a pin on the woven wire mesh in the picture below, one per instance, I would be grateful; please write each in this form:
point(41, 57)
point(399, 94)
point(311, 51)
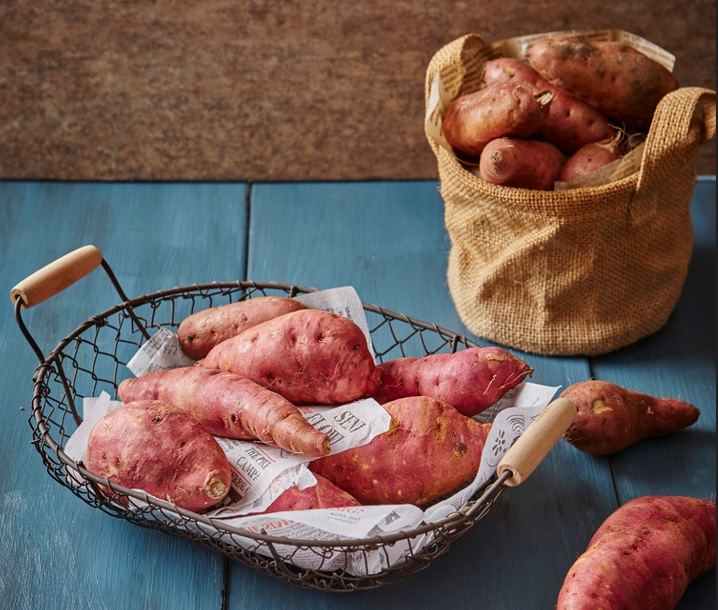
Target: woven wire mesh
point(93, 359)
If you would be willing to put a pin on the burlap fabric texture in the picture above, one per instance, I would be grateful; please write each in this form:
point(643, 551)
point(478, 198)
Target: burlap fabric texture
point(576, 272)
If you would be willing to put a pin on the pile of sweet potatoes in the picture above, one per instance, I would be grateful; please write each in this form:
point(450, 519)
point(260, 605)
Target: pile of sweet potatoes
point(257, 362)
point(569, 107)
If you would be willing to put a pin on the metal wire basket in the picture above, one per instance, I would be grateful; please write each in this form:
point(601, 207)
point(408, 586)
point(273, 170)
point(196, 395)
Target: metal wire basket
point(92, 359)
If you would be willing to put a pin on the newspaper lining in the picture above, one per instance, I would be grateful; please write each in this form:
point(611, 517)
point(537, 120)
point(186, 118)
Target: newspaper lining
point(261, 472)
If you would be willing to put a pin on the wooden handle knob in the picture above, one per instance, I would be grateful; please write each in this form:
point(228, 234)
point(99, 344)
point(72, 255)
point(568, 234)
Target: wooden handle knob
point(536, 441)
point(55, 277)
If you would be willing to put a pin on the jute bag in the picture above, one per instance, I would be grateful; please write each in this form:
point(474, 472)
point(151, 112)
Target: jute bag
point(582, 271)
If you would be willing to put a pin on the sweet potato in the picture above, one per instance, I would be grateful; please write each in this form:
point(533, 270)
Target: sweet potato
point(589, 158)
point(614, 77)
point(201, 331)
point(470, 380)
point(644, 555)
point(570, 124)
point(309, 356)
point(519, 163)
point(474, 119)
point(322, 495)
point(153, 446)
point(429, 450)
point(228, 405)
point(610, 418)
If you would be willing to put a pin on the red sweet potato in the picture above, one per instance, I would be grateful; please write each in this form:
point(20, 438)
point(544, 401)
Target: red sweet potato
point(309, 356)
point(644, 555)
point(610, 418)
point(519, 163)
point(201, 331)
point(153, 446)
point(570, 124)
point(620, 81)
point(470, 380)
point(589, 158)
point(231, 406)
point(322, 495)
point(506, 109)
point(429, 450)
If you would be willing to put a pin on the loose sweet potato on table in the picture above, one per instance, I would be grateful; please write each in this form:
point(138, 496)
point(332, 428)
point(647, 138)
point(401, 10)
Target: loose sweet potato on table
point(620, 81)
point(229, 405)
point(570, 124)
point(429, 450)
point(610, 418)
point(644, 555)
point(507, 109)
point(309, 356)
point(201, 331)
point(519, 163)
point(153, 446)
point(470, 380)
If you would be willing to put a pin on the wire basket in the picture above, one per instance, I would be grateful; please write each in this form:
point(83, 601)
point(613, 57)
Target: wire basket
point(93, 359)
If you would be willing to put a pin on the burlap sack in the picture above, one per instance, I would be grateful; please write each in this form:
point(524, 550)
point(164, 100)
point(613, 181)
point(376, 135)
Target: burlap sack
point(574, 272)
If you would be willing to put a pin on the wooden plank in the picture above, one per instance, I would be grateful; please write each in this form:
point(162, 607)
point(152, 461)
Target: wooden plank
point(388, 240)
point(57, 552)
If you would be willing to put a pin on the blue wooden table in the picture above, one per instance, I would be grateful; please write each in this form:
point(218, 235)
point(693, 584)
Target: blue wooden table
point(387, 239)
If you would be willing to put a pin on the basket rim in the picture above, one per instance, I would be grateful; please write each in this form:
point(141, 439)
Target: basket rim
point(463, 517)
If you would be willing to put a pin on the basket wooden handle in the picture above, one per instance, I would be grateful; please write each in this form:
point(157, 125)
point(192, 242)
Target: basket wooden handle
point(56, 276)
point(536, 441)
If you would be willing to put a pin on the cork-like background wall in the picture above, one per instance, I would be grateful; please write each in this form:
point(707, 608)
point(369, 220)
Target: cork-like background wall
point(258, 90)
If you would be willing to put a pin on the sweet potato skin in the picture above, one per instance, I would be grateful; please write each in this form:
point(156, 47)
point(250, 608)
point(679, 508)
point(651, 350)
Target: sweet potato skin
point(589, 158)
point(506, 109)
point(612, 76)
point(570, 124)
point(153, 446)
point(201, 331)
point(644, 555)
point(610, 418)
point(429, 450)
point(309, 356)
point(322, 495)
point(519, 163)
point(231, 406)
point(470, 380)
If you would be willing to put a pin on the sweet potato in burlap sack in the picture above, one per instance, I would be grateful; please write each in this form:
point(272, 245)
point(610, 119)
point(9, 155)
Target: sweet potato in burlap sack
point(565, 272)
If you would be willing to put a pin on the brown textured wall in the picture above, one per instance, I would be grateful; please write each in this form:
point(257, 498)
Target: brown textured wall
point(232, 90)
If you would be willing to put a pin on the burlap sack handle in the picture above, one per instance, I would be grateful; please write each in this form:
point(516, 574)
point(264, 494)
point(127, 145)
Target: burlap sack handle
point(448, 55)
point(685, 118)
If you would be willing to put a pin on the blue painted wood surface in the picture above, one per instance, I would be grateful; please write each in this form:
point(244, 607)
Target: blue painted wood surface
point(388, 240)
